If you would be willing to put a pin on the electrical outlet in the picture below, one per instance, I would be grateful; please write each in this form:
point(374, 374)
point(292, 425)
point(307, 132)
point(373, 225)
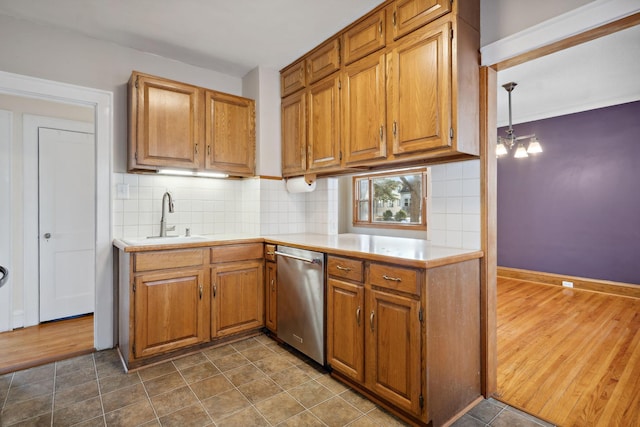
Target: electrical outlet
point(567, 284)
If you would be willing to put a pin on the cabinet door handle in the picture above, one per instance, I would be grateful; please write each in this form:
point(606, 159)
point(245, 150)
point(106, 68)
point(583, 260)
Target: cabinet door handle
point(200, 287)
point(395, 128)
point(272, 287)
point(371, 320)
point(381, 132)
point(358, 315)
point(215, 290)
point(339, 267)
point(196, 148)
point(393, 19)
point(380, 28)
point(208, 150)
point(392, 279)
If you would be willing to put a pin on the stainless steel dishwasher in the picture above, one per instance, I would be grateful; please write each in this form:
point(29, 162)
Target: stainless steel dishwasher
point(301, 300)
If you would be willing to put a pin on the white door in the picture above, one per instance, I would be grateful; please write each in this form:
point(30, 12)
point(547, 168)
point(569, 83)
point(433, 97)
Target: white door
point(5, 220)
point(66, 223)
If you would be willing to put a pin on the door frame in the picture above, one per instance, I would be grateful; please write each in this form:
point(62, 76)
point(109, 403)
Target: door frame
point(596, 19)
point(6, 322)
point(31, 181)
point(102, 103)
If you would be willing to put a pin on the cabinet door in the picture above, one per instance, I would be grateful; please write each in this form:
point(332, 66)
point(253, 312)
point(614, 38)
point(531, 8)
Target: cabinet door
point(364, 38)
point(171, 311)
point(271, 299)
point(364, 106)
point(293, 79)
point(230, 134)
point(165, 124)
point(294, 134)
point(408, 15)
point(238, 297)
point(324, 124)
point(420, 79)
point(345, 328)
point(323, 61)
point(394, 349)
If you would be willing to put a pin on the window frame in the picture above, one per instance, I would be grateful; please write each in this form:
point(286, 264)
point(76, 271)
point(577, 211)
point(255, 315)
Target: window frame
point(422, 226)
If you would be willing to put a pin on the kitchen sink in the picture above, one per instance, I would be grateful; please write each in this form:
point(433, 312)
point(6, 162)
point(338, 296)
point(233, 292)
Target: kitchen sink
point(165, 240)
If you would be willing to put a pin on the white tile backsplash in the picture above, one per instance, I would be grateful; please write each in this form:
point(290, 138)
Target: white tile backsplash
point(454, 219)
point(263, 206)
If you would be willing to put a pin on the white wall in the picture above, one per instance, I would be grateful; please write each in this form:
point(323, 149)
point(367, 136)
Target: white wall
point(502, 18)
point(49, 53)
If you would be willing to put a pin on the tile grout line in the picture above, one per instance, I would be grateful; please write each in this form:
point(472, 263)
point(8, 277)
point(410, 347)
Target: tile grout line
point(146, 392)
point(53, 396)
point(191, 390)
point(95, 367)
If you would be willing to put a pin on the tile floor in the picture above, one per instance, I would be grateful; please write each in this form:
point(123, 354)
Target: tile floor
point(254, 382)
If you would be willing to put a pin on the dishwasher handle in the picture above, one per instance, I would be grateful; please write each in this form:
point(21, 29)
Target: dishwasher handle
point(299, 258)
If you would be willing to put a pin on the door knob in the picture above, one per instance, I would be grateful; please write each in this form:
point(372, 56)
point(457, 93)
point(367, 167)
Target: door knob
point(5, 275)
point(47, 235)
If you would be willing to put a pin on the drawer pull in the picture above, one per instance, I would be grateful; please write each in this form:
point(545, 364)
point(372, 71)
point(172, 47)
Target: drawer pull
point(358, 315)
point(271, 253)
point(371, 320)
point(391, 279)
point(339, 267)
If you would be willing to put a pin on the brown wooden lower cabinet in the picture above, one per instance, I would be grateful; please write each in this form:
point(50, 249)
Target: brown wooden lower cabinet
point(171, 311)
point(237, 297)
point(173, 301)
point(406, 337)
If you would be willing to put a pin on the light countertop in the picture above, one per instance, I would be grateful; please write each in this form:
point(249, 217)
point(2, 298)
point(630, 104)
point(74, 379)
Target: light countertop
point(405, 251)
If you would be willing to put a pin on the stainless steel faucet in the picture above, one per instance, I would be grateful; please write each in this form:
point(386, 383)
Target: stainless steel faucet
point(163, 222)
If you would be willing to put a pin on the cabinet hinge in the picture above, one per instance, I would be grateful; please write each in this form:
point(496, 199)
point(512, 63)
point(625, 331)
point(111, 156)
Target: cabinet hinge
point(452, 34)
point(420, 316)
point(136, 156)
point(451, 133)
point(339, 84)
point(137, 77)
point(421, 400)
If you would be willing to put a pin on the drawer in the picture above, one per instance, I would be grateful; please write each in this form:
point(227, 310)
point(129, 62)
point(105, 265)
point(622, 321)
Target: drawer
point(392, 277)
point(345, 268)
point(269, 252)
point(159, 260)
point(227, 253)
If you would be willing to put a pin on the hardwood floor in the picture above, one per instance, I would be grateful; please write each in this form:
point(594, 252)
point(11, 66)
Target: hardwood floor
point(568, 356)
point(48, 342)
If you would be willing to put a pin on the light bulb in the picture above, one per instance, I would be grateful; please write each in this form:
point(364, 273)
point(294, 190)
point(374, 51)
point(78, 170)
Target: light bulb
point(501, 150)
point(534, 146)
point(521, 152)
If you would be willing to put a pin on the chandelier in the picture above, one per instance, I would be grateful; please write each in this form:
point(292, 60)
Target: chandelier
point(506, 144)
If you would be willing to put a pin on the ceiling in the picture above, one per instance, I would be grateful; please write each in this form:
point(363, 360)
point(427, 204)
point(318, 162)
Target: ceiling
point(591, 75)
point(231, 37)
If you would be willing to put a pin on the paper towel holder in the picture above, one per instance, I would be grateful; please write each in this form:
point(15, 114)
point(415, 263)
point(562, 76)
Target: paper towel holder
point(310, 178)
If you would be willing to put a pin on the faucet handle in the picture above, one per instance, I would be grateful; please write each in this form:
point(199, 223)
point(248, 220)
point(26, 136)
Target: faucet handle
point(171, 228)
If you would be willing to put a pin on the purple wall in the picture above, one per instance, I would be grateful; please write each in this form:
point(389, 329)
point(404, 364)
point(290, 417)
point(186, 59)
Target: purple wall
point(575, 208)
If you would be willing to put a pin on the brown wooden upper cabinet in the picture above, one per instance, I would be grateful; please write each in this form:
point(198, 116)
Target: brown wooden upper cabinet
point(365, 37)
point(164, 123)
point(177, 125)
point(407, 90)
point(409, 15)
point(310, 112)
point(229, 134)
